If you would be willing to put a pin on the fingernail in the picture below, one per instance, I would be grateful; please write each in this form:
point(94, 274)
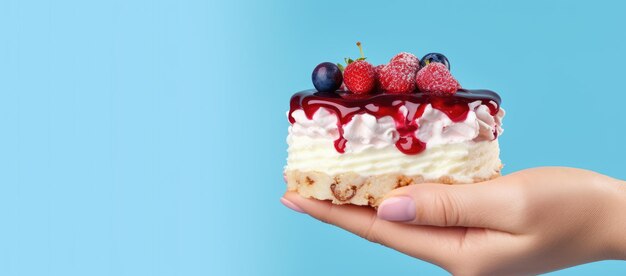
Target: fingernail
point(291, 205)
point(285, 177)
point(401, 208)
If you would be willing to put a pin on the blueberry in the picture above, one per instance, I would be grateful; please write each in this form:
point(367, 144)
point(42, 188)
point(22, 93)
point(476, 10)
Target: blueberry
point(327, 77)
point(434, 57)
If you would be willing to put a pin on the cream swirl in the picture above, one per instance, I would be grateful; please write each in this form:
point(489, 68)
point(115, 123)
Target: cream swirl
point(436, 128)
point(322, 125)
point(490, 127)
point(362, 132)
point(366, 131)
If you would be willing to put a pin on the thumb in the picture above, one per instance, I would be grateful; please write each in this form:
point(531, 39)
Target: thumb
point(493, 204)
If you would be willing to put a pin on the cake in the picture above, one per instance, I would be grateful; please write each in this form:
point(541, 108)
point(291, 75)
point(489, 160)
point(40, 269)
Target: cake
point(402, 123)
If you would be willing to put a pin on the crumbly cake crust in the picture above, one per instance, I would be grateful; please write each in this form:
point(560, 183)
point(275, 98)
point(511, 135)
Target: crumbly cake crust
point(352, 188)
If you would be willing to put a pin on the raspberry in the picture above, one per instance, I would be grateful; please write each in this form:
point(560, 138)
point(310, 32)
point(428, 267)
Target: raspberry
point(406, 58)
point(437, 80)
point(359, 77)
point(377, 74)
point(397, 77)
point(377, 70)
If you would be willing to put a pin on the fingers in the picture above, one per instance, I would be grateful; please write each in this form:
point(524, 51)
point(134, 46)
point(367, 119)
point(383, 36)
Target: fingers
point(358, 220)
point(494, 204)
point(424, 242)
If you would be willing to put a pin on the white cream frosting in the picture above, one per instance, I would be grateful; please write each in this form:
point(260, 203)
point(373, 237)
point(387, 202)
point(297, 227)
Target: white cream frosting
point(463, 150)
point(463, 162)
point(365, 131)
point(322, 125)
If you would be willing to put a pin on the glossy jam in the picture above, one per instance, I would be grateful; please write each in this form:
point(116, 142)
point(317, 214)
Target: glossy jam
point(345, 105)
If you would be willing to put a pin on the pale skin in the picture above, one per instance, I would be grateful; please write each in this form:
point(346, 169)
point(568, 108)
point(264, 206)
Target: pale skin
point(528, 222)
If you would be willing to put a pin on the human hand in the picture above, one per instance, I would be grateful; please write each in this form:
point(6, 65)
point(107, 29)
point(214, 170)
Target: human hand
point(532, 221)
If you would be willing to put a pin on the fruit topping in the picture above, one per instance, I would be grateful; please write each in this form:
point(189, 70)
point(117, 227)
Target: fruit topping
point(407, 59)
point(377, 75)
point(404, 73)
point(434, 57)
point(359, 77)
point(377, 69)
point(399, 75)
point(437, 80)
point(327, 77)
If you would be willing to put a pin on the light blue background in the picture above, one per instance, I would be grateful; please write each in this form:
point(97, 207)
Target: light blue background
point(148, 137)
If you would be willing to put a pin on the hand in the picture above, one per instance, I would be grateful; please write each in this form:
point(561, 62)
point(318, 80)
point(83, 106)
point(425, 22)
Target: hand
point(532, 221)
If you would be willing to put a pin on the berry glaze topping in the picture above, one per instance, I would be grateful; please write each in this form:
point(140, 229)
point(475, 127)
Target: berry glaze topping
point(345, 105)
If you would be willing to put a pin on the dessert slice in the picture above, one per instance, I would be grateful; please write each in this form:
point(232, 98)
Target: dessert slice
point(354, 148)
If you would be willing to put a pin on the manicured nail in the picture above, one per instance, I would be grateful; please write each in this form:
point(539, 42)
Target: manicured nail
point(291, 205)
point(401, 208)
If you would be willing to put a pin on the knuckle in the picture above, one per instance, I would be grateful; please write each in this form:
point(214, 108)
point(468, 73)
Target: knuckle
point(327, 215)
point(371, 233)
point(452, 209)
point(443, 208)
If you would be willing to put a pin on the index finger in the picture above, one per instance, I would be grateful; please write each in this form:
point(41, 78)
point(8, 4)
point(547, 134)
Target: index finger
point(428, 243)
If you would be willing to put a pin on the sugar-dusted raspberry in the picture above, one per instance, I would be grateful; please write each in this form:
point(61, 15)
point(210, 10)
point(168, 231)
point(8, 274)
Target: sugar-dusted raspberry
point(377, 69)
point(377, 75)
point(437, 80)
point(406, 58)
point(397, 77)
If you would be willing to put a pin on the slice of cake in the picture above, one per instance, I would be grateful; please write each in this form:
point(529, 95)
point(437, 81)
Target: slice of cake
point(403, 123)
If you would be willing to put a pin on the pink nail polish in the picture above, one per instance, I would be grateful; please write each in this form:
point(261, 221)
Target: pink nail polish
point(401, 208)
point(291, 205)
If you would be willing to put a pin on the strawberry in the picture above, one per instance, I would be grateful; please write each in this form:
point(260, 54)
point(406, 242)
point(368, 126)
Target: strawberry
point(437, 80)
point(359, 77)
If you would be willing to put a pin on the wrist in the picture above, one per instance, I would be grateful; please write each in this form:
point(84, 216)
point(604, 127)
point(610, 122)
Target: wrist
point(616, 222)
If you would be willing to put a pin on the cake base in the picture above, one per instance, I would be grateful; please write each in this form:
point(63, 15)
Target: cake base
point(352, 188)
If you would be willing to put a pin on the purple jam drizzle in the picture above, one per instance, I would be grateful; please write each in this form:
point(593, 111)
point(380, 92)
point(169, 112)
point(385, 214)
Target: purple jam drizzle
point(345, 105)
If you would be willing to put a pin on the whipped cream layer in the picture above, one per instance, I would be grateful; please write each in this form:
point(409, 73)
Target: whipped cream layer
point(464, 162)
point(365, 131)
